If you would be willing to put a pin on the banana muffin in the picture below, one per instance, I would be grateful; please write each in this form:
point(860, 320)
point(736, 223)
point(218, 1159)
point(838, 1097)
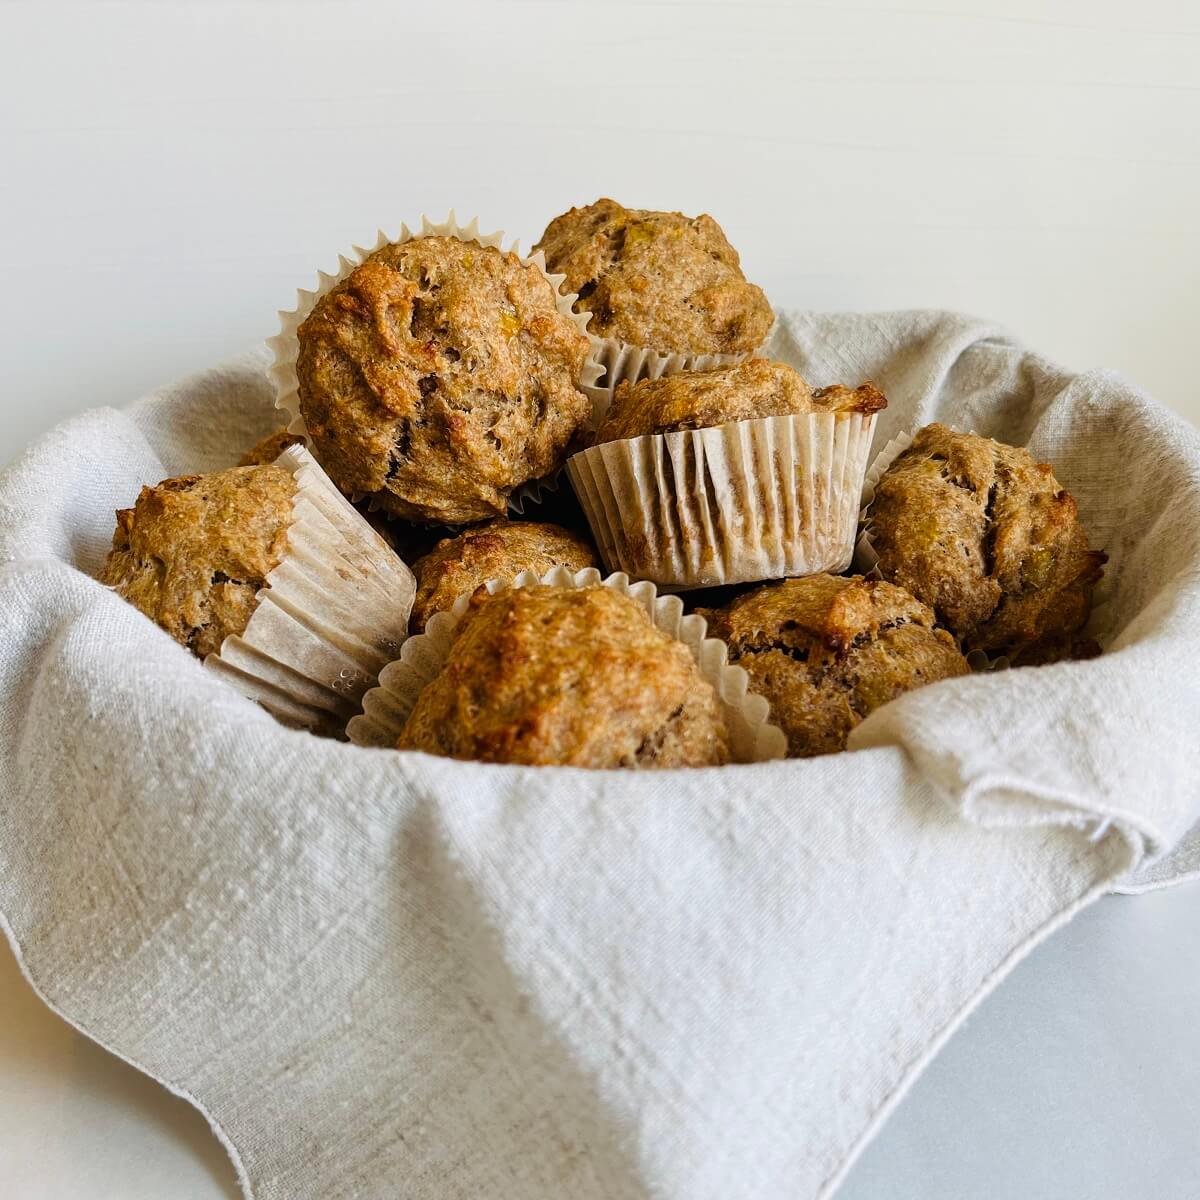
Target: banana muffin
point(438, 377)
point(194, 551)
point(270, 448)
point(990, 540)
point(701, 399)
point(554, 676)
point(827, 650)
point(657, 279)
point(501, 549)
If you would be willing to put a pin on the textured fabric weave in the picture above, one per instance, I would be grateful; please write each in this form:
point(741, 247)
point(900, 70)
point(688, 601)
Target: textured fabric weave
point(390, 975)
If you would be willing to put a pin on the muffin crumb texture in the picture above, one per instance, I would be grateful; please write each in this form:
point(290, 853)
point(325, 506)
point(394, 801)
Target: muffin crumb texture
point(825, 651)
point(194, 551)
point(580, 677)
point(270, 448)
point(703, 399)
point(657, 279)
point(989, 539)
point(438, 377)
point(500, 549)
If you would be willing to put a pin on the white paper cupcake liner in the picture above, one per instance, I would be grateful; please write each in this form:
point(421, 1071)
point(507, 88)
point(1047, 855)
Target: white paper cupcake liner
point(621, 362)
point(752, 738)
point(767, 498)
point(866, 561)
point(982, 663)
point(285, 345)
point(533, 493)
point(333, 614)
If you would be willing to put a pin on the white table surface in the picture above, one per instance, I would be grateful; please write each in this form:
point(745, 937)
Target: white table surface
point(170, 172)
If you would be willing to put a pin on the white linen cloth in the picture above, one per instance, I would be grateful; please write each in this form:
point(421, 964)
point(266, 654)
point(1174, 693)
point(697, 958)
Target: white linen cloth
point(385, 974)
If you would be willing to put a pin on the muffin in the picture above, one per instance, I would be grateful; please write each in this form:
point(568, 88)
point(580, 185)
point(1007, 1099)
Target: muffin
point(989, 539)
point(194, 551)
point(557, 676)
point(657, 279)
point(702, 399)
point(270, 448)
point(828, 650)
point(770, 489)
point(501, 549)
point(269, 575)
point(439, 376)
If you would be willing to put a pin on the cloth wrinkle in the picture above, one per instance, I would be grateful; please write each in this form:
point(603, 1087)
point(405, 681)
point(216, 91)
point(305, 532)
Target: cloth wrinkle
point(381, 973)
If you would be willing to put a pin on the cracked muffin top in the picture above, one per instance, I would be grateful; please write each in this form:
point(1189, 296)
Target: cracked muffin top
point(501, 549)
point(552, 676)
point(701, 399)
point(270, 448)
point(657, 279)
point(827, 650)
point(193, 552)
point(439, 376)
point(989, 539)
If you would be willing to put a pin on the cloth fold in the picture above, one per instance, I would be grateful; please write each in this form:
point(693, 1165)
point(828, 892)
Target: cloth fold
point(385, 974)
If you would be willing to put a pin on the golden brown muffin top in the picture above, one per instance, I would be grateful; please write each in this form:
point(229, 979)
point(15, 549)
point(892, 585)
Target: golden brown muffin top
point(826, 650)
point(439, 376)
point(657, 279)
point(987, 537)
point(702, 399)
point(270, 448)
point(553, 676)
point(501, 549)
point(193, 552)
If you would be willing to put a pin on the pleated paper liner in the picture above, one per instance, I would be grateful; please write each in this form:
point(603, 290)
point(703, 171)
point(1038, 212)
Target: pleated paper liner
point(866, 561)
point(621, 362)
point(333, 614)
point(767, 498)
point(752, 737)
point(285, 345)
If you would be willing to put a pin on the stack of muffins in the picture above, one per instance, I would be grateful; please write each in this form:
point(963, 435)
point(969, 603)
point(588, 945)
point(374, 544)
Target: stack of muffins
point(604, 390)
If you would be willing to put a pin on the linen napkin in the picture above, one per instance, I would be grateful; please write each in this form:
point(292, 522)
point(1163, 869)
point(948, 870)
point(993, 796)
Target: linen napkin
point(383, 974)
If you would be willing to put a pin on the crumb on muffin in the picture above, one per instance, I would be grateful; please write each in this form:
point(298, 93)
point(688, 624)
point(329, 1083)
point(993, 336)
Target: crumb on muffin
point(988, 537)
point(657, 279)
point(702, 399)
point(825, 651)
point(270, 448)
point(553, 676)
point(194, 551)
point(501, 549)
point(438, 377)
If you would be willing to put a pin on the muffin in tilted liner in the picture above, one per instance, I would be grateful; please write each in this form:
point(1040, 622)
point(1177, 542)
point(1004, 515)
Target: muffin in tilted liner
point(437, 375)
point(270, 576)
point(662, 292)
point(732, 475)
point(569, 670)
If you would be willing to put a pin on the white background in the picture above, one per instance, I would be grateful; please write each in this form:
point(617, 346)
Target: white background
point(169, 173)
